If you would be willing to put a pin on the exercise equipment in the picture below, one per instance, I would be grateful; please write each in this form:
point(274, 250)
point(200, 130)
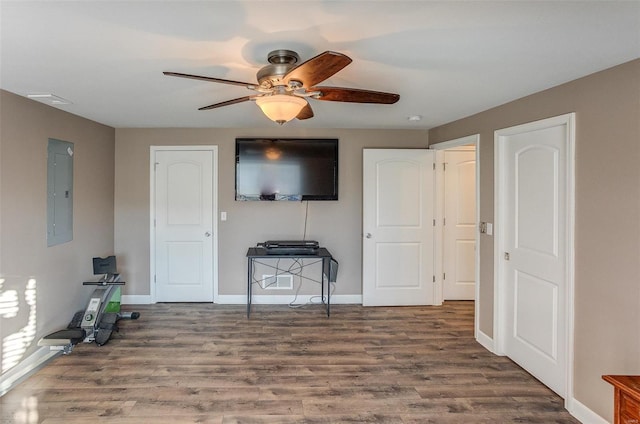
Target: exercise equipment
point(99, 319)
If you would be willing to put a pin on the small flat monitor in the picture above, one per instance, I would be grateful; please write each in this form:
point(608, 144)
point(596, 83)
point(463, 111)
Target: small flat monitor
point(104, 265)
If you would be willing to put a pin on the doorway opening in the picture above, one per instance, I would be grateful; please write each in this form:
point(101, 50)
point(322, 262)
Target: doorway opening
point(457, 221)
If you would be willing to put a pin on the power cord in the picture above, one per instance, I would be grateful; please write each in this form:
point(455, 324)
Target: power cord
point(323, 300)
point(306, 215)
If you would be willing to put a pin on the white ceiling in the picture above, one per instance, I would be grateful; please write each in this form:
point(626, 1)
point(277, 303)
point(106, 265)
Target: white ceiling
point(446, 59)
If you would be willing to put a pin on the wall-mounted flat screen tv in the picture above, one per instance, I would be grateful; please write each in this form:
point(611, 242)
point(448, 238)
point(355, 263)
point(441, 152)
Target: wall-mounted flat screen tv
point(286, 169)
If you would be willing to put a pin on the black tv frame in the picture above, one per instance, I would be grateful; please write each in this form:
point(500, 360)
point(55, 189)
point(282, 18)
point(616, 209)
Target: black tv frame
point(304, 197)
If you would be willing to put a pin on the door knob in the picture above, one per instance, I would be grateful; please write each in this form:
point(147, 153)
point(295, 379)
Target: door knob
point(207, 234)
point(368, 235)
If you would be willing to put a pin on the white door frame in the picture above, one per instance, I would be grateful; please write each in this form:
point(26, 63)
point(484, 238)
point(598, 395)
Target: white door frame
point(440, 148)
point(499, 243)
point(152, 213)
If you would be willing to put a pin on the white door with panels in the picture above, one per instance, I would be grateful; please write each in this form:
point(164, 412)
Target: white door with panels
point(398, 227)
point(459, 235)
point(184, 223)
point(533, 247)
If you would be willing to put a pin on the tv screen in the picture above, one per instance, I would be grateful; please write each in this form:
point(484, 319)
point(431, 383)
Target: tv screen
point(286, 169)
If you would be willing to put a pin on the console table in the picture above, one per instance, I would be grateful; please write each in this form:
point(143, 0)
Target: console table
point(259, 254)
point(626, 398)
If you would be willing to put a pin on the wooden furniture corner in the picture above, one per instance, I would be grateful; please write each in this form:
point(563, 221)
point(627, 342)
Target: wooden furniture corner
point(626, 398)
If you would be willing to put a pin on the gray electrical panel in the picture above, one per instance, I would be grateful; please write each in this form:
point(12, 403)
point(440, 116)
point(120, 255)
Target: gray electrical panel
point(59, 192)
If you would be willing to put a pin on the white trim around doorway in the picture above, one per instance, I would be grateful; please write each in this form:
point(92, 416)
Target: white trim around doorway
point(474, 140)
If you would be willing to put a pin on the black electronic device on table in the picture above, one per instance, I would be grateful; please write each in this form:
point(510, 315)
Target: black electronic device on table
point(290, 247)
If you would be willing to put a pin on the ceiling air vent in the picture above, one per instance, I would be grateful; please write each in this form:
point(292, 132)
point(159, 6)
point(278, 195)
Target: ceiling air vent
point(50, 99)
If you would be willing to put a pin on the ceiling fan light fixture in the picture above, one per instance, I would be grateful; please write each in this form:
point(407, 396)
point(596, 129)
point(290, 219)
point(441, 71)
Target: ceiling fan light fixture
point(281, 108)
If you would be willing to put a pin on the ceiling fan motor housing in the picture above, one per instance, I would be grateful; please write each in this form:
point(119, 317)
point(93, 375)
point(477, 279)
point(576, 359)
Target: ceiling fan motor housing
point(281, 62)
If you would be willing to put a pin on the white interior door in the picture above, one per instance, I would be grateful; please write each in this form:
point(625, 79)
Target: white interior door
point(533, 220)
point(459, 235)
point(184, 254)
point(398, 208)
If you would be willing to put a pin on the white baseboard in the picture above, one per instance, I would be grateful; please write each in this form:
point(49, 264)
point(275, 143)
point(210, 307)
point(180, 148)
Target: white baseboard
point(25, 368)
point(241, 299)
point(346, 299)
point(485, 341)
point(584, 414)
point(136, 299)
point(338, 299)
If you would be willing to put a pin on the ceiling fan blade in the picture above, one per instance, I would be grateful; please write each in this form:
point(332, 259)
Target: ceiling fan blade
point(228, 102)
point(306, 112)
point(318, 69)
point(210, 79)
point(354, 95)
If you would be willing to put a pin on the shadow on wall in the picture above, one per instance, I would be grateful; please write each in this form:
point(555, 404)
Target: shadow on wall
point(18, 313)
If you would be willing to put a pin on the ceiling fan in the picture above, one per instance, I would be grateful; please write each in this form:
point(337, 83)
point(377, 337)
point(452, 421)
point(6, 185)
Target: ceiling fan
point(283, 86)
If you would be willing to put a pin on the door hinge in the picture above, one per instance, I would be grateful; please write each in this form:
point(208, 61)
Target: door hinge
point(434, 166)
point(444, 276)
point(434, 278)
point(444, 166)
point(154, 279)
point(155, 166)
point(444, 221)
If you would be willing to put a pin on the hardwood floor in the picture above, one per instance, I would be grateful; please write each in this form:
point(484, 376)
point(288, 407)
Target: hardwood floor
point(205, 363)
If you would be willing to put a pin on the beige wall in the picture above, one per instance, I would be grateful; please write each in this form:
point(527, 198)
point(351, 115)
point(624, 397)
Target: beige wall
point(607, 233)
point(335, 224)
point(25, 127)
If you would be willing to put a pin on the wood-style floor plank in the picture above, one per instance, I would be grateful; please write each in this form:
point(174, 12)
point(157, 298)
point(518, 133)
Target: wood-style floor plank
point(209, 364)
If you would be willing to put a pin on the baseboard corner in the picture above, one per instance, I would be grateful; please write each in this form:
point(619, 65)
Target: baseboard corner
point(25, 368)
point(485, 341)
point(582, 413)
